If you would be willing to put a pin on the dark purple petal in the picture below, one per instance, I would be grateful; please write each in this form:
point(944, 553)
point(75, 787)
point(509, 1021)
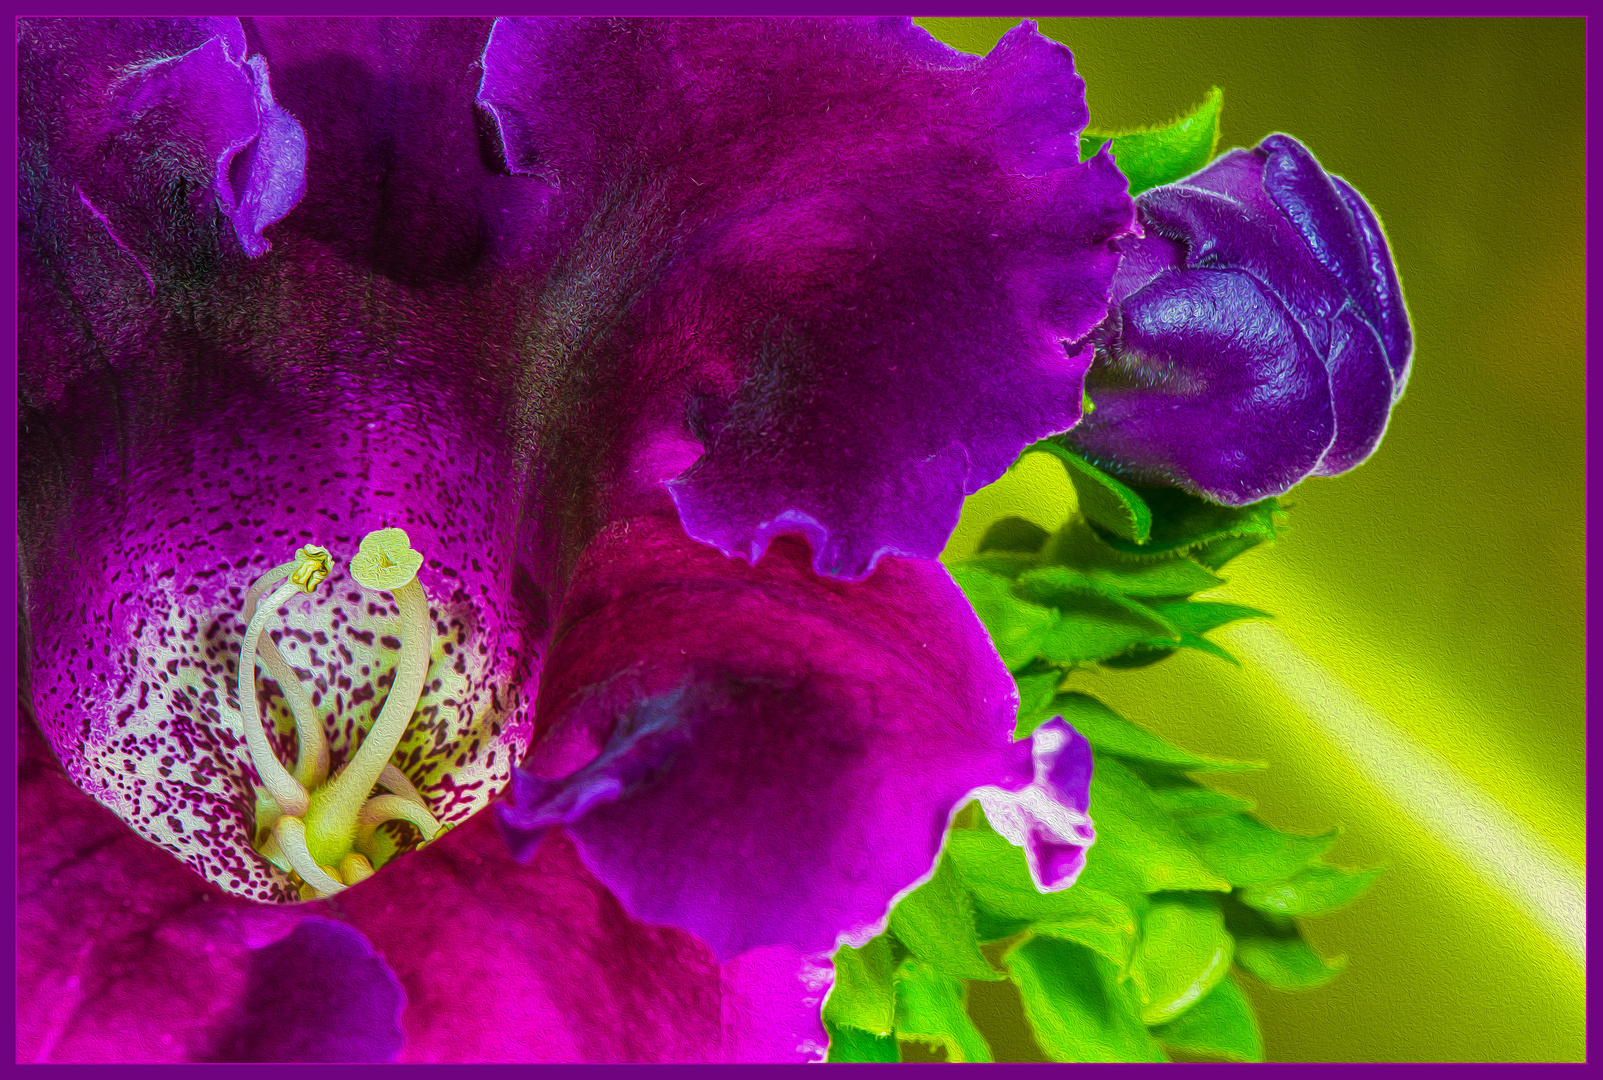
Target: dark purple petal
point(1389, 315)
point(1213, 384)
point(1180, 403)
point(343, 1002)
point(749, 730)
point(850, 371)
point(1361, 392)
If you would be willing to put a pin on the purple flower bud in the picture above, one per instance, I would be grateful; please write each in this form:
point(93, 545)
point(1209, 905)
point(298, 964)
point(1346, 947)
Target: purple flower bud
point(1257, 334)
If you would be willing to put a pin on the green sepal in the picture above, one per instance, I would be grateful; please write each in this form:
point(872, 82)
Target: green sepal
point(1014, 534)
point(862, 996)
point(936, 924)
point(1111, 733)
point(1221, 1024)
point(849, 1045)
point(1137, 838)
point(1316, 889)
point(1182, 522)
point(1076, 1006)
point(1184, 797)
point(1016, 626)
point(1245, 851)
point(1007, 901)
point(1274, 950)
point(1093, 625)
point(1104, 499)
point(1200, 616)
point(1184, 953)
point(1162, 155)
point(1003, 564)
point(929, 1010)
point(1037, 688)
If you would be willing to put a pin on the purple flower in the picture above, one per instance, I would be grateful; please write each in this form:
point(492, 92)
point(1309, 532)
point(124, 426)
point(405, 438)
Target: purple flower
point(435, 371)
point(1259, 333)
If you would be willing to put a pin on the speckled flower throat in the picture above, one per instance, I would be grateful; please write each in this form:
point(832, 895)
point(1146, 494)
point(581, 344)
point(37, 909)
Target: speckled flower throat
point(293, 660)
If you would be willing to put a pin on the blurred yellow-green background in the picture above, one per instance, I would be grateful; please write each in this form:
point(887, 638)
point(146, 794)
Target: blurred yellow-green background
point(1441, 585)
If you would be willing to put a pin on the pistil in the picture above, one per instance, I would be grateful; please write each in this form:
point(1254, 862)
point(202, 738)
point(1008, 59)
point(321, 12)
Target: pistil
point(384, 562)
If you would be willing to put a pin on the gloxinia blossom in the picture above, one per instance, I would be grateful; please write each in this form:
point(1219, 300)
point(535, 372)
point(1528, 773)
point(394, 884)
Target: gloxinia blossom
point(565, 409)
point(1258, 334)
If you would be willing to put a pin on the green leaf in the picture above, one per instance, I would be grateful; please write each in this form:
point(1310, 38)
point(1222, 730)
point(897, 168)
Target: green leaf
point(1184, 953)
point(1216, 553)
point(849, 1045)
point(1111, 733)
point(1079, 546)
point(1200, 616)
point(1221, 1024)
point(1314, 890)
point(1004, 564)
point(1036, 691)
point(1186, 798)
point(1093, 626)
point(862, 996)
point(1136, 837)
point(1163, 155)
point(929, 1010)
point(1104, 499)
point(1182, 522)
point(936, 923)
point(1017, 627)
point(1274, 950)
point(1014, 534)
point(1007, 901)
point(1247, 852)
point(1076, 1006)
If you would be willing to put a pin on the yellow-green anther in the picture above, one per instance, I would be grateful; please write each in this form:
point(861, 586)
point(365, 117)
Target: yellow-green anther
point(290, 832)
point(385, 561)
point(285, 790)
point(355, 868)
point(381, 808)
point(393, 779)
point(312, 566)
point(311, 758)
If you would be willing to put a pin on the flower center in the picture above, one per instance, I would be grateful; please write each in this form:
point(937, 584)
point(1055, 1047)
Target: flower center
point(325, 830)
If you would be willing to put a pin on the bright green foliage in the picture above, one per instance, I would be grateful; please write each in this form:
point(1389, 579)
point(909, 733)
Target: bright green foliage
point(1162, 155)
point(1184, 953)
point(1316, 889)
point(1103, 499)
point(936, 924)
point(929, 1009)
point(1221, 1025)
point(1076, 1004)
point(1182, 882)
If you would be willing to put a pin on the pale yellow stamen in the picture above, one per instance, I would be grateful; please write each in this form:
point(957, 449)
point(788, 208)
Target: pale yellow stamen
point(311, 760)
point(285, 789)
point(393, 779)
point(355, 868)
point(290, 832)
point(381, 808)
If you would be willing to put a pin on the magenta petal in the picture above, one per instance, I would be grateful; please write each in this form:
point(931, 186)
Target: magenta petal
point(124, 955)
point(321, 994)
point(503, 962)
point(853, 369)
point(775, 755)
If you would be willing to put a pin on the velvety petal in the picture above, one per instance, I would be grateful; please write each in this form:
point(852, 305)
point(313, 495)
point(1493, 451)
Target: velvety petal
point(852, 372)
point(764, 757)
point(123, 954)
point(504, 962)
point(1390, 314)
point(1214, 387)
point(344, 999)
point(1048, 818)
point(1362, 392)
point(498, 961)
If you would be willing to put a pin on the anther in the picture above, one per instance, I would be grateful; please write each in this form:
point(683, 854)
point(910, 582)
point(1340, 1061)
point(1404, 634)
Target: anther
point(311, 759)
